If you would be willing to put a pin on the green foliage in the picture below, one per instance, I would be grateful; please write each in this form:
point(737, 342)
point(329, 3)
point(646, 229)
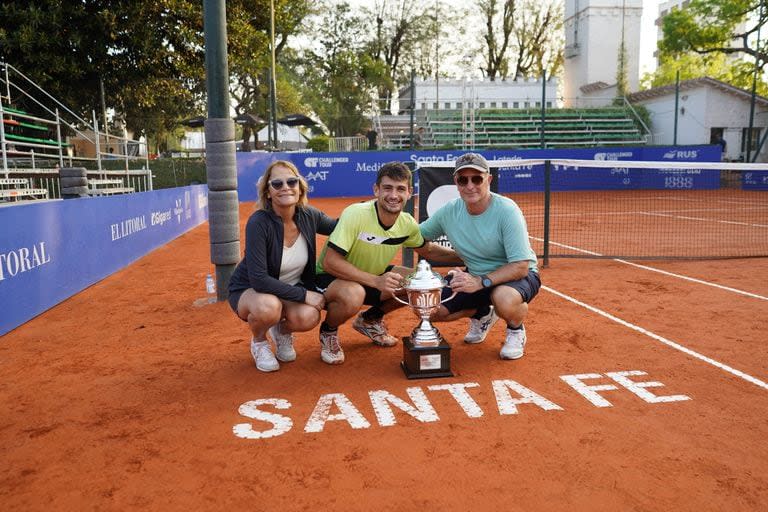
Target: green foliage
point(710, 38)
point(248, 35)
point(522, 37)
point(644, 114)
point(716, 65)
point(622, 85)
point(177, 172)
point(340, 77)
point(166, 172)
point(148, 54)
point(319, 143)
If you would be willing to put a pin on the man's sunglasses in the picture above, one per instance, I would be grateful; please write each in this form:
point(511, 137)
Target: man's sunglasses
point(278, 184)
point(463, 180)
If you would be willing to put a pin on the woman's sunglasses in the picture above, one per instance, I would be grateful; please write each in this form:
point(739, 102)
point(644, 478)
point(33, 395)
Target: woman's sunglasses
point(278, 184)
point(463, 180)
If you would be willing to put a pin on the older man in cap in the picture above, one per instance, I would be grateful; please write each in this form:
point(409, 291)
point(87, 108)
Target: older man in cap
point(489, 233)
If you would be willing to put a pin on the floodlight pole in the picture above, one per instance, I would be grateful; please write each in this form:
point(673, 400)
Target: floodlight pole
point(413, 103)
point(272, 77)
point(543, 108)
point(677, 102)
point(754, 90)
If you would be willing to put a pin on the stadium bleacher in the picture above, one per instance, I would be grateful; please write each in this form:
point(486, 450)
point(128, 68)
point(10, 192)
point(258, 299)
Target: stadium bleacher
point(516, 128)
point(34, 148)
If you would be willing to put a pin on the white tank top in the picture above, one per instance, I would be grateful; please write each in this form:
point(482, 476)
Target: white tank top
point(294, 260)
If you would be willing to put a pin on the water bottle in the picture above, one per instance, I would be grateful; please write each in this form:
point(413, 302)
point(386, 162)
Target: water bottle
point(210, 288)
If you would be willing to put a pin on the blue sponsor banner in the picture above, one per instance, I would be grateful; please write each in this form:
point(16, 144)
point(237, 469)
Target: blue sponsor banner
point(353, 174)
point(754, 180)
point(49, 251)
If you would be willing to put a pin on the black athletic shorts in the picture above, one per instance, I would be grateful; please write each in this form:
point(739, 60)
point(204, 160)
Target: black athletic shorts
point(528, 287)
point(372, 295)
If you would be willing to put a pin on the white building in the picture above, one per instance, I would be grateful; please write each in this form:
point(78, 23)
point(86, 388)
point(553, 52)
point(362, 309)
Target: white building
point(706, 109)
point(594, 30)
point(466, 94)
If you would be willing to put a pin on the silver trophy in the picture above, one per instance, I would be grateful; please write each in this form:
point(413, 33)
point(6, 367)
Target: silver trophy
point(425, 352)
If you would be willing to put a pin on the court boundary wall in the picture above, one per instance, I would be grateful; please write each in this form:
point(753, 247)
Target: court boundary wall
point(52, 250)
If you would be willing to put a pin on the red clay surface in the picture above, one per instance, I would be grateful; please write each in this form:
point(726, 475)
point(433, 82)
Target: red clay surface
point(125, 396)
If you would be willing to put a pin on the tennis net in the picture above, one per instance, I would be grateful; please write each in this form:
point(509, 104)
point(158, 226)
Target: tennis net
point(639, 210)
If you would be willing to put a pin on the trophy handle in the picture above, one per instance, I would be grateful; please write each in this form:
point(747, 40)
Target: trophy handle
point(394, 295)
point(449, 298)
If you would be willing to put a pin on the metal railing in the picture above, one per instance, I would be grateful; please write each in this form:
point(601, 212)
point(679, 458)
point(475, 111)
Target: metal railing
point(39, 145)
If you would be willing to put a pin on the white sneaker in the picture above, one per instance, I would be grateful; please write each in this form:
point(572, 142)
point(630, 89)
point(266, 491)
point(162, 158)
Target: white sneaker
point(330, 351)
point(263, 356)
point(479, 327)
point(514, 345)
point(283, 344)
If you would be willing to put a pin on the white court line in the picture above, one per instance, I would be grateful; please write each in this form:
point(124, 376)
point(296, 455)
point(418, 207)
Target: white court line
point(652, 269)
point(661, 213)
point(706, 220)
point(693, 279)
point(665, 341)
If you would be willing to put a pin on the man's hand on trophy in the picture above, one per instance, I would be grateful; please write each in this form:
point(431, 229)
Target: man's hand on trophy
point(388, 282)
point(464, 281)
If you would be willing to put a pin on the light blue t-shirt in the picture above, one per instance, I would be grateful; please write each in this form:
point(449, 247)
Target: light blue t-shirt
point(487, 241)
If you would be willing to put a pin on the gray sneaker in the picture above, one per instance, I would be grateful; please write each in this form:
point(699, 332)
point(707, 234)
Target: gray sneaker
point(263, 356)
point(514, 345)
point(375, 330)
point(283, 344)
point(330, 349)
point(479, 327)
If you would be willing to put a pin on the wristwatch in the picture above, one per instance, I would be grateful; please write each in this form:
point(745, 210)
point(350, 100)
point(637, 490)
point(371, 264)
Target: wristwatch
point(487, 283)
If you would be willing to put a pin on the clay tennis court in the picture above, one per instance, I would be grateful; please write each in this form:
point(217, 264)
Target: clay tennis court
point(128, 397)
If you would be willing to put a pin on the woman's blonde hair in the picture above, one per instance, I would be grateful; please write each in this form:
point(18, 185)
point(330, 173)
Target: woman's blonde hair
point(265, 202)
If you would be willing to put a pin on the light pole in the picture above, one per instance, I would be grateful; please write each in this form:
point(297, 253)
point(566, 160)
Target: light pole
point(273, 80)
point(259, 23)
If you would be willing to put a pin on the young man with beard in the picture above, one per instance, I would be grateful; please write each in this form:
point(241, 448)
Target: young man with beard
point(355, 267)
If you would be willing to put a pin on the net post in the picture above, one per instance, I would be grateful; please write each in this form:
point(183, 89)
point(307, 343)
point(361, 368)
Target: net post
point(547, 180)
point(408, 251)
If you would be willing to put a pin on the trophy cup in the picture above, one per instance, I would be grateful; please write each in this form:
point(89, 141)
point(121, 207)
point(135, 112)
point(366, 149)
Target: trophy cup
point(425, 352)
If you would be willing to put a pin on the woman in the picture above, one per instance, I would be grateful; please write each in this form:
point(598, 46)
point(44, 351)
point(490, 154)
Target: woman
point(272, 288)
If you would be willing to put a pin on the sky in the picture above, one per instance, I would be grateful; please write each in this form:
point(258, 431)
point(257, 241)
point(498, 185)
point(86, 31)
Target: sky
point(648, 28)
point(648, 36)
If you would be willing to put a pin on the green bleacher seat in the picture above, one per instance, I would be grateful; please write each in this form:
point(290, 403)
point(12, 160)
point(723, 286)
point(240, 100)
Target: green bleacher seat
point(34, 140)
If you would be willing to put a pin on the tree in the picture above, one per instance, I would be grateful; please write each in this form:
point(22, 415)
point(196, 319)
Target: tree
point(707, 38)
point(248, 29)
point(716, 26)
point(496, 59)
point(148, 54)
point(539, 38)
point(401, 30)
point(340, 76)
point(692, 65)
point(524, 39)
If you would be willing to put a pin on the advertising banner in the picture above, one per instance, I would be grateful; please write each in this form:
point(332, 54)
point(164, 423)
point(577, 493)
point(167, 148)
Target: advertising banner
point(51, 250)
point(353, 174)
point(755, 180)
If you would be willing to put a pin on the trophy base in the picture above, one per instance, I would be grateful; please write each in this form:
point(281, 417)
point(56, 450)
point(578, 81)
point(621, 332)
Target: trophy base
point(423, 362)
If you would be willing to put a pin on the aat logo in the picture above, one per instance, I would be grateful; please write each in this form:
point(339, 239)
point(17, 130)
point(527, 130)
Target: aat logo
point(317, 176)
